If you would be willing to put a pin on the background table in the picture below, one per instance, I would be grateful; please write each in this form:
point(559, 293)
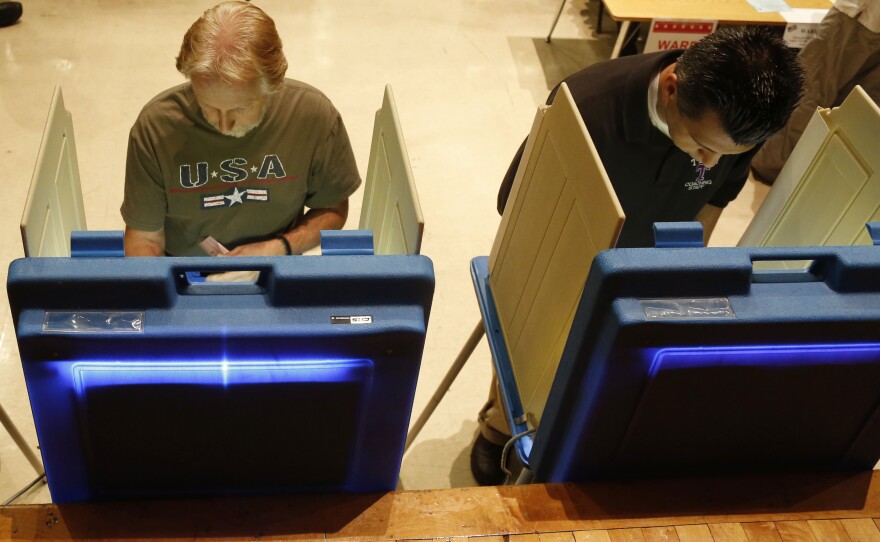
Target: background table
point(723, 11)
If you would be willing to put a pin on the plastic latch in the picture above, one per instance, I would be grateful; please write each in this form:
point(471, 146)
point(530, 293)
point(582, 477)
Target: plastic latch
point(346, 242)
point(97, 244)
point(874, 232)
point(678, 234)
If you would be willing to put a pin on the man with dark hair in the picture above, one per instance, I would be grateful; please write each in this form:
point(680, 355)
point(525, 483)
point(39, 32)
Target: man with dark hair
point(676, 131)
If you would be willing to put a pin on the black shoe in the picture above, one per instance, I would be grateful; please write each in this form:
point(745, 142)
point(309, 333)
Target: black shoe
point(486, 462)
point(10, 12)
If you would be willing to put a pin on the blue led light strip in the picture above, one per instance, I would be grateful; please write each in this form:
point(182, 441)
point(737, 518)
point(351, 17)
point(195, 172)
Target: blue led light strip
point(91, 374)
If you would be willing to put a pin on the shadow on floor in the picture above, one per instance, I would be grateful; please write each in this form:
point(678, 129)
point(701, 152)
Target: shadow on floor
point(440, 463)
point(564, 56)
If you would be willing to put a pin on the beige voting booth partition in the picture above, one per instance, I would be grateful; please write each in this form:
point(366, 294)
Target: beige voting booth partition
point(54, 205)
point(562, 211)
point(830, 185)
point(53, 208)
point(391, 204)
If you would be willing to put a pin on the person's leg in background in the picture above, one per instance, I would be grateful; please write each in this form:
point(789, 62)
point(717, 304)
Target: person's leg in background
point(841, 52)
point(869, 76)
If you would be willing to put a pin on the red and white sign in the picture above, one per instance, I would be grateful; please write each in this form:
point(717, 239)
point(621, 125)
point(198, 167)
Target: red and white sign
point(668, 34)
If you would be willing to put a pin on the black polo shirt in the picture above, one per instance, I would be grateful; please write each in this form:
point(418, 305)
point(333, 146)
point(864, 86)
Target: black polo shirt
point(654, 180)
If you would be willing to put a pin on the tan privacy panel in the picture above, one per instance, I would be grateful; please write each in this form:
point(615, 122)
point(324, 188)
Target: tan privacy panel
point(562, 211)
point(830, 184)
point(391, 205)
point(54, 205)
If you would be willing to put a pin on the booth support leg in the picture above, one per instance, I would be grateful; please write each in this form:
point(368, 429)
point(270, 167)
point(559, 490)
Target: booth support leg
point(450, 377)
point(20, 441)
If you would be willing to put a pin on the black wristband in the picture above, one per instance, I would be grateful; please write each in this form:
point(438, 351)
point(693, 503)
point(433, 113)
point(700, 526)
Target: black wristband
point(288, 251)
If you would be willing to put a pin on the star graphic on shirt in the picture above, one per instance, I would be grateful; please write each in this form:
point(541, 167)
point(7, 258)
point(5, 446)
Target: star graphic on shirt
point(213, 174)
point(253, 169)
point(235, 197)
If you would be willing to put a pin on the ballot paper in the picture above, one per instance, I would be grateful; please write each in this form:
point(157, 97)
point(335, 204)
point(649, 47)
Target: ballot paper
point(212, 247)
point(233, 276)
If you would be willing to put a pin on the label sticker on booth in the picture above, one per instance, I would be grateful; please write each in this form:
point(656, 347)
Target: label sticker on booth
point(94, 321)
point(351, 319)
point(714, 307)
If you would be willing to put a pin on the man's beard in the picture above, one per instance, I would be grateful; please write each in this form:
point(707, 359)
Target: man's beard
point(241, 130)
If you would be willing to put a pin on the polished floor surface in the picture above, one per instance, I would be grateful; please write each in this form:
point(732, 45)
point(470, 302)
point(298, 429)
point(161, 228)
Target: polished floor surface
point(467, 76)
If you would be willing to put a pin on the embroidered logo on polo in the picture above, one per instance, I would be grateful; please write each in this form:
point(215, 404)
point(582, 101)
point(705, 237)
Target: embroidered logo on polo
point(701, 181)
point(235, 197)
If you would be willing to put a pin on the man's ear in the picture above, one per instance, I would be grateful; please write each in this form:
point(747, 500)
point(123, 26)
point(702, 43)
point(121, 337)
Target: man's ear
point(669, 85)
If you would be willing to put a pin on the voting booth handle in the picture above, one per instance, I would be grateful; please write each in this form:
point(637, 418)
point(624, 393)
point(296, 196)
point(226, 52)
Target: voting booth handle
point(678, 235)
point(347, 242)
point(220, 276)
point(874, 232)
point(774, 264)
point(102, 244)
point(97, 244)
point(811, 264)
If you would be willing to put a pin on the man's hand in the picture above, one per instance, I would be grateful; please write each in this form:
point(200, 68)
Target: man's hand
point(144, 243)
point(708, 217)
point(306, 234)
point(272, 247)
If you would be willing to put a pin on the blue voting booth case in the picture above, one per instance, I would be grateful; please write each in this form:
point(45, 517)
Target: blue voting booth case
point(147, 383)
point(688, 361)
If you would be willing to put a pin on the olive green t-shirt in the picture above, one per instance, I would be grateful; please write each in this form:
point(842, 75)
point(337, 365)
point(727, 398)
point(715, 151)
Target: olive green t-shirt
point(186, 177)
